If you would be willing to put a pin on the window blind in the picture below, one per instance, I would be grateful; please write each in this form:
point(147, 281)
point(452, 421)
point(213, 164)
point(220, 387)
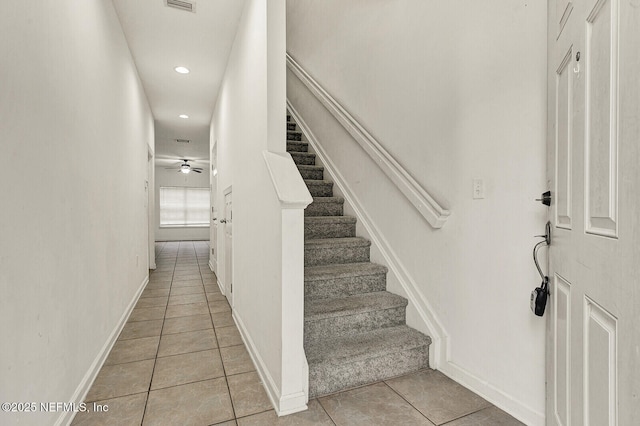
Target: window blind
point(183, 206)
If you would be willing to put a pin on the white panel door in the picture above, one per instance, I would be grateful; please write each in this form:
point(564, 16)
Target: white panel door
point(213, 255)
point(593, 328)
point(228, 247)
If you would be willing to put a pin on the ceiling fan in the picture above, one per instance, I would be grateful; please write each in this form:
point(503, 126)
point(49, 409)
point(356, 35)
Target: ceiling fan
point(185, 167)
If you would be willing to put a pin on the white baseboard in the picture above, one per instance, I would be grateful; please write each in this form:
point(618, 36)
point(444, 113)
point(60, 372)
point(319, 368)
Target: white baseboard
point(83, 388)
point(500, 399)
point(283, 404)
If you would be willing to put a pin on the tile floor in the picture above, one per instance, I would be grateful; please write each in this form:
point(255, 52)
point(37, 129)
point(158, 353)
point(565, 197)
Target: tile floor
point(180, 361)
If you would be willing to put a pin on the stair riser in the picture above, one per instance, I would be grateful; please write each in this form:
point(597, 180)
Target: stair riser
point(297, 146)
point(329, 255)
point(291, 126)
point(329, 230)
point(312, 174)
point(350, 325)
point(321, 189)
point(303, 159)
point(294, 136)
point(324, 209)
point(325, 379)
point(344, 286)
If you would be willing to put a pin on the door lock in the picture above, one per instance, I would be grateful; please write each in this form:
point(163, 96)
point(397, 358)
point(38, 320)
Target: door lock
point(546, 198)
point(540, 294)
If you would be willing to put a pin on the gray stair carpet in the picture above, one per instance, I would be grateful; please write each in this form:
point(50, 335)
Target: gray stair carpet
point(354, 330)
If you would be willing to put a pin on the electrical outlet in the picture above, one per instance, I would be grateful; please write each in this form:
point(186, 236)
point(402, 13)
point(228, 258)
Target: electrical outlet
point(478, 189)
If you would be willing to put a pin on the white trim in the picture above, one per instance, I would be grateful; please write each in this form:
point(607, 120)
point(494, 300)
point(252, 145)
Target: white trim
point(438, 349)
point(516, 408)
point(283, 404)
point(85, 384)
point(435, 214)
point(291, 190)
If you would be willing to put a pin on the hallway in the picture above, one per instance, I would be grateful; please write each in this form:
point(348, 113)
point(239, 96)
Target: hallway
point(180, 360)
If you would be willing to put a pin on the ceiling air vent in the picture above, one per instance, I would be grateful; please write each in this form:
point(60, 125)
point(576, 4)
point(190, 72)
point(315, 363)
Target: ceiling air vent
point(183, 140)
point(189, 6)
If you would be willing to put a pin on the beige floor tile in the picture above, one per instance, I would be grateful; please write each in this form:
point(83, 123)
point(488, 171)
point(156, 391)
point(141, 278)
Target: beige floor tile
point(185, 299)
point(216, 297)
point(181, 291)
point(158, 292)
point(192, 341)
point(189, 323)
point(126, 410)
point(149, 302)
point(186, 310)
point(219, 306)
point(373, 405)
point(146, 314)
point(155, 285)
point(437, 396)
point(138, 329)
point(491, 416)
point(161, 276)
point(228, 336)
point(121, 379)
point(236, 360)
point(314, 415)
point(187, 368)
point(200, 403)
point(248, 394)
point(212, 289)
point(222, 319)
point(229, 423)
point(133, 350)
point(187, 283)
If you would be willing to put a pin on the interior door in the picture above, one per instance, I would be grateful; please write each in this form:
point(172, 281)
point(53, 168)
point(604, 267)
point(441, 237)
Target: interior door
point(228, 246)
point(593, 329)
point(213, 255)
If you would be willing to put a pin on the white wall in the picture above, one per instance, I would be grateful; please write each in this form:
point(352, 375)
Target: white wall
point(454, 90)
point(164, 177)
point(249, 118)
point(74, 132)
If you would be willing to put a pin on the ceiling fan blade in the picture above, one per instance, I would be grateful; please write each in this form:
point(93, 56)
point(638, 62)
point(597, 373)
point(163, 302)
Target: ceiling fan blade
point(196, 171)
point(196, 168)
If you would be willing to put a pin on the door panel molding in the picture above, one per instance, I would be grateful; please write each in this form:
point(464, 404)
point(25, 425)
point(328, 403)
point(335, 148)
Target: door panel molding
point(562, 350)
point(601, 109)
point(563, 136)
point(600, 363)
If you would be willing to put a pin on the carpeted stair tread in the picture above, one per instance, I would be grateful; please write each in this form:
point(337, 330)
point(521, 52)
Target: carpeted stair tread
point(310, 167)
point(324, 200)
point(297, 146)
point(366, 345)
point(319, 188)
point(350, 305)
point(330, 219)
point(342, 270)
point(311, 172)
point(337, 242)
point(329, 227)
point(294, 135)
point(303, 158)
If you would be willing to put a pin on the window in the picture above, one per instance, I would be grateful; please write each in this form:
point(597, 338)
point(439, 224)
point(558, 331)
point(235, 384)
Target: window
point(182, 206)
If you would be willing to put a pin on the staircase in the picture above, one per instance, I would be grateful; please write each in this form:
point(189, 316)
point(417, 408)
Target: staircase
point(354, 330)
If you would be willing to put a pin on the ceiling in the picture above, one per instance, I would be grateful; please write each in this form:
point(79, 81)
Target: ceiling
point(161, 38)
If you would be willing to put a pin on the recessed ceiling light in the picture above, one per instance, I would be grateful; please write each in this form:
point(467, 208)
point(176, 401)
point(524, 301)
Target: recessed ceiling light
point(183, 116)
point(182, 70)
